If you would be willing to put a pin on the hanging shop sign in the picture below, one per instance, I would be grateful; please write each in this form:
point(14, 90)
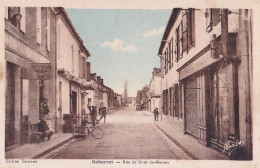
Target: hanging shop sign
point(40, 71)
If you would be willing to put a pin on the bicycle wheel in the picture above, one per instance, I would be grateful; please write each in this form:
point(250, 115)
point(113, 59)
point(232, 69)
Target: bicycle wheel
point(97, 133)
point(77, 134)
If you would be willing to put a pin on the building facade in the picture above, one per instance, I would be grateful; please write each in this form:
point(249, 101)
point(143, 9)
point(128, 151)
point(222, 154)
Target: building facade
point(71, 73)
point(30, 66)
point(206, 64)
point(155, 90)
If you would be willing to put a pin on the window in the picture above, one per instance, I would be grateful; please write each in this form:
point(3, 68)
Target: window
point(188, 33)
point(48, 29)
point(184, 30)
point(38, 24)
point(15, 17)
point(212, 18)
point(176, 49)
point(82, 67)
point(180, 41)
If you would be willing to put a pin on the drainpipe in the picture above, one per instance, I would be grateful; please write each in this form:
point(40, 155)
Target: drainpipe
point(55, 78)
point(245, 35)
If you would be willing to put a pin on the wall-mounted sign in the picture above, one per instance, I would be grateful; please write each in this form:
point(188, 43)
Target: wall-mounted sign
point(40, 71)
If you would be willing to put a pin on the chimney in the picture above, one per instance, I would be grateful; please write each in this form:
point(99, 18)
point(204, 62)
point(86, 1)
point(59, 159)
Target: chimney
point(102, 81)
point(98, 79)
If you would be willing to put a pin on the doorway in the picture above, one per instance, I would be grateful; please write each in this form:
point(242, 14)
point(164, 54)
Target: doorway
point(10, 105)
point(74, 103)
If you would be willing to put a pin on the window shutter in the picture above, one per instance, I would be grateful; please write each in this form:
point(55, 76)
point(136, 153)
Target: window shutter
point(171, 44)
point(176, 53)
point(208, 20)
point(82, 67)
point(48, 30)
point(215, 16)
point(165, 65)
point(180, 41)
point(23, 24)
point(191, 28)
point(184, 30)
point(38, 24)
point(170, 56)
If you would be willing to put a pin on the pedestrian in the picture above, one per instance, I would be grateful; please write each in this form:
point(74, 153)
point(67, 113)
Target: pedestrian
point(43, 127)
point(104, 114)
point(157, 114)
point(48, 121)
point(93, 115)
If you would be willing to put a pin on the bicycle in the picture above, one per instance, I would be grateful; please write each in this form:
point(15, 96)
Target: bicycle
point(80, 132)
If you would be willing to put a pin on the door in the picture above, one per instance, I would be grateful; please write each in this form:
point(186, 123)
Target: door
point(10, 105)
point(176, 100)
point(219, 112)
point(74, 103)
point(60, 106)
point(191, 106)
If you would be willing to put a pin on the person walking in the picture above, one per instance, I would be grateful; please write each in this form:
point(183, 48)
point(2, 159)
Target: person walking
point(93, 115)
point(104, 114)
point(157, 113)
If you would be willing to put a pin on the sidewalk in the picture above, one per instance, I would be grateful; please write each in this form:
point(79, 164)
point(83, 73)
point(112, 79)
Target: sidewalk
point(35, 150)
point(173, 129)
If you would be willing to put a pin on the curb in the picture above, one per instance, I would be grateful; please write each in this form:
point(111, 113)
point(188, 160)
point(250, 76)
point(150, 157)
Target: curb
point(177, 143)
point(52, 148)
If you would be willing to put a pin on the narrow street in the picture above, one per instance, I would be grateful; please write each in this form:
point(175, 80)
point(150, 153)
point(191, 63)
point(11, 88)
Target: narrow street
point(128, 134)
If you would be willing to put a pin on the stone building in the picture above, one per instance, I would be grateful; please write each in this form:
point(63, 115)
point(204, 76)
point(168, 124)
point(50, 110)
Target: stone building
point(30, 70)
point(71, 76)
point(206, 63)
point(155, 90)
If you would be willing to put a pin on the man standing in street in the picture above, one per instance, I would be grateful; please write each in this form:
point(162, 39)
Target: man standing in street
point(103, 114)
point(93, 115)
point(156, 114)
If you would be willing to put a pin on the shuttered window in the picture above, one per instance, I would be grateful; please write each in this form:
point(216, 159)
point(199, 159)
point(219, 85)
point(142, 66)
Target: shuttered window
point(38, 24)
point(212, 18)
point(184, 31)
point(170, 56)
point(171, 44)
point(82, 67)
point(191, 28)
point(188, 33)
point(176, 49)
point(180, 41)
point(165, 62)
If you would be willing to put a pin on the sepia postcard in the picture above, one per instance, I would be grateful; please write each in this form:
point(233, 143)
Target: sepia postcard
point(129, 83)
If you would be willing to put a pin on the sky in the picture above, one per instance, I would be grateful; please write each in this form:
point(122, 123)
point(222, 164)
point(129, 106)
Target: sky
point(123, 44)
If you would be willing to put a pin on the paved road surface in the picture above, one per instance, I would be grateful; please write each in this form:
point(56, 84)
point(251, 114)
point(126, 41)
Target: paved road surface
point(129, 134)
